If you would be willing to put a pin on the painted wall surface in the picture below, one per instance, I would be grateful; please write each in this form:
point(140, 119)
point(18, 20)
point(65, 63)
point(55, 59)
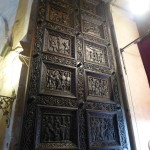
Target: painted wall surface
point(135, 77)
point(8, 10)
point(14, 20)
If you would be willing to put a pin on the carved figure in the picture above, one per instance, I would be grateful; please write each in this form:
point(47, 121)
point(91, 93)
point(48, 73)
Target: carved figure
point(68, 123)
point(68, 81)
point(66, 47)
point(49, 132)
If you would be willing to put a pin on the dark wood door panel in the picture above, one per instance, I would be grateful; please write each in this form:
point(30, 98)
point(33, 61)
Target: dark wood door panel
point(97, 54)
point(99, 87)
point(103, 130)
point(60, 12)
point(58, 80)
point(73, 100)
point(59, 43)
point(56, 128)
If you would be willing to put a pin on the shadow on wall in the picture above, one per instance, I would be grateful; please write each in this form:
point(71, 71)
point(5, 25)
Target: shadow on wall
point(4, 40)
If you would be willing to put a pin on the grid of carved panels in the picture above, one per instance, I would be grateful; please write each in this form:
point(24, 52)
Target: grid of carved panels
point(57, 128)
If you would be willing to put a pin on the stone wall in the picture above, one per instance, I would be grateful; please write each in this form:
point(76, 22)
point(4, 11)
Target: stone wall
point(135, 77)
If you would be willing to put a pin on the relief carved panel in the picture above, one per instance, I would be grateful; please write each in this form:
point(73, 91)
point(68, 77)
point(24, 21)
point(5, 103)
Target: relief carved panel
point(88, 7)
point(99, 87)
point(102, 129)
point(93, 29)
point(94, 7)
point(96, 53)
point(57, 128)
point(60, 15)
point(57, 80)
point(94, 25)
point(56, 42)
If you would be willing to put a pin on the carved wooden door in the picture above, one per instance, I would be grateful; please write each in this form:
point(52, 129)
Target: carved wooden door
point(73, 99)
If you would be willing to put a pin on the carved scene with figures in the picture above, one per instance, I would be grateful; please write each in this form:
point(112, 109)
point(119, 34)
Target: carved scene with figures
point(57, 127)
point(55, 81)
point(100, 87)
point(96, 53)
point(63, 16)
point(60, 43)
point(103, 129)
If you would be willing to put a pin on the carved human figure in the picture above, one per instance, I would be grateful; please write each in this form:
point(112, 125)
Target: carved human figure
point(100, 57)
point(58, 79)
point(57, 129)
point(97, 130)
point(53, 79)
point(105, 89)
point(50, 79)
point(92, 86)
point(103, 129)
point(66, 48)
point(49, 130)
point(63, 128)
point(91, 56)
point(63, 81)
point(110, 130)
point(58, 45)
point(103, 58)
point(65, 19)
point(55, 16)
point(68, 123)
point(97, 87)
point(51, 43)
point(68, 81)
point(94, 56)
point(93, 129)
